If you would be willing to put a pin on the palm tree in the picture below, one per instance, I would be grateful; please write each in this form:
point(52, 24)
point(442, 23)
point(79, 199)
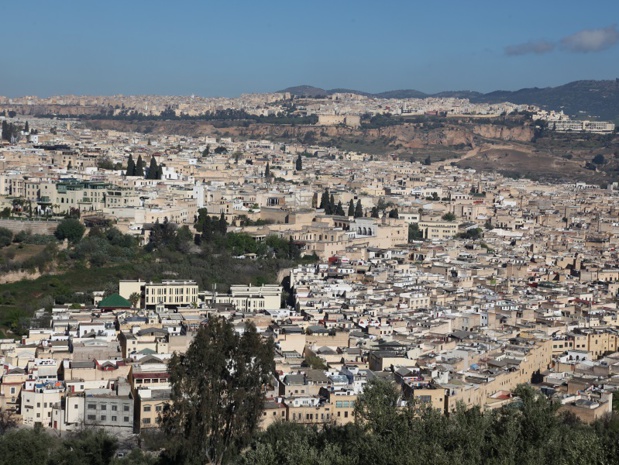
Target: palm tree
point(135, 299)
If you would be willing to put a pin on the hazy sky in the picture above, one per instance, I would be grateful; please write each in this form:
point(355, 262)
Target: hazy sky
point(225, 48)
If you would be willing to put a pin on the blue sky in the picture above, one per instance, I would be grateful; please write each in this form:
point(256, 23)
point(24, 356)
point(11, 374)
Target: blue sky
point(225, 48)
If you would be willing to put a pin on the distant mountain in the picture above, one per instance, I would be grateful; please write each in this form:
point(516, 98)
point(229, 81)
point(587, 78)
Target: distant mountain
point(579, 98)
point(305, 91)
point(349, 91)
point(470, 94)
point(409, 93)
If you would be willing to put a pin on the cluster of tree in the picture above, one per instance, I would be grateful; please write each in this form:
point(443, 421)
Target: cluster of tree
point(229, 115)
point(414, 233)
point(529, 432)
point(71, 229)
point(6, 237)
point(105, 245)
point(448, 217)
point(10, 132)
point(105, 163)
point(208, 226)
point(472, 233)
point(135, 169)
point(327, 203)
point(92, 446)
point(217, 390)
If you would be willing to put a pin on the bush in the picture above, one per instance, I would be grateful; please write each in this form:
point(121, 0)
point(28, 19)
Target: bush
point(6, 237)
point(70, 229)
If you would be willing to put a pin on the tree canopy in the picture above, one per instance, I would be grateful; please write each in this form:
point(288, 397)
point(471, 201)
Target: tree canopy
point(217, 393)
point(70, 229)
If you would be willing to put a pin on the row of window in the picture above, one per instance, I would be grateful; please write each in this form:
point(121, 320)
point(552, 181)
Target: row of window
point(104, 418)
point(91, 406)
point(177, 291)
point(158, 408)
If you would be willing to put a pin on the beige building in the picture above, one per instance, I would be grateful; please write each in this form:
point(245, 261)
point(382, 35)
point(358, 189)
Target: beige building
point(166, 293)
point(438, 230)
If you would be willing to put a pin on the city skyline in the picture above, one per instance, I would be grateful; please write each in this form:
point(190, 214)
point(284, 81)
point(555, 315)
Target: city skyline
point(226, 49)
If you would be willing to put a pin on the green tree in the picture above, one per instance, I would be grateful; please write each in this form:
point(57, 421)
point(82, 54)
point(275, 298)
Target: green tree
point(339, 209)
point(376, 409)
point(135, 298)
point(25, 446)
point(351, 208)
point(414, 233)
point(299, 163)
point(139, 166)
point(153, 169)
point(599, 159)
point(448, 217)
point(207, 151)
point(324, 200)
point(217, 393)
point(91, 446)
point(6, 237)
point(130, 167)
point(267, 171)
point(70, 229)
point(393, 213)
point(358, 209)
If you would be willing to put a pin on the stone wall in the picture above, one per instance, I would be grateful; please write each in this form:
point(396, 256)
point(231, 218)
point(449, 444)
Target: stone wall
point(34, 226)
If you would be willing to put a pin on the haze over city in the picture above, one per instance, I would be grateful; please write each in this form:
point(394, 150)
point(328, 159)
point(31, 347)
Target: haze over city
point(227, 48)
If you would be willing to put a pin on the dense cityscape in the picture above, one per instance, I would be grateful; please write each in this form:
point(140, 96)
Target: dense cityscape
point(200, 265)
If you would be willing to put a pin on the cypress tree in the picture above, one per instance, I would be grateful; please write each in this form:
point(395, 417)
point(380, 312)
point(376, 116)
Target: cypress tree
point(27, 127)
point(152, 169)
point(130, 167)
point(299, 163)
point(223, 224)
point(324, 200)
point(139, 166)
point(358, 209)
point(267, 171)
point(339, 210)
point(351, 208)
point(331, 205)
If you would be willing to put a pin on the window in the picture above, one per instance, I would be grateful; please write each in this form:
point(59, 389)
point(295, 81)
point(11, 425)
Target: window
point(114, 418)
point(38, 404)
point(103, 406)
point(103, 418)
point(75, 406)
point(126, 419)
point(146, 421)
point(114, 408)
point(92, 406)
point(158, 408)
point(346, 414)
point(125, 408)
point(147, 408)
point(92, 417)
point(12, 390)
